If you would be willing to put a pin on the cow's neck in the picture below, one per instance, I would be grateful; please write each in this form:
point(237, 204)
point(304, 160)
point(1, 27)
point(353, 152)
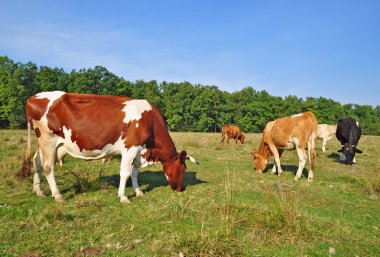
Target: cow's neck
point(163, 148)
point(264, 149)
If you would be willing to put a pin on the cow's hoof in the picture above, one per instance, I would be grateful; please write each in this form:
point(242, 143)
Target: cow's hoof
point(125, 200)
point(310, 179)
point(59, 199)
point(40, 194)
point(296, 178)
point(139, 193)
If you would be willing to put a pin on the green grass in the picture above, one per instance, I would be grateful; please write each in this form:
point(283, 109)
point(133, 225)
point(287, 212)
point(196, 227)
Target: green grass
point(226, 210)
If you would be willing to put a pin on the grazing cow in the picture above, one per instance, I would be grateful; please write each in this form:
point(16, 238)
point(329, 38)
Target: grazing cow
point(348, 132)
point(326, 133)
point(94, 127)
point(232, 131)
point(288, 133)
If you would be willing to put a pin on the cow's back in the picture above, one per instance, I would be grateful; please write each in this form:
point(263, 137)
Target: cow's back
point(231, 130)
point(299, 126)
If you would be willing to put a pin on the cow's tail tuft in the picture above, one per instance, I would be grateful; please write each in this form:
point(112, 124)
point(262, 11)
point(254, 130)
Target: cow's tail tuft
point(26, 166)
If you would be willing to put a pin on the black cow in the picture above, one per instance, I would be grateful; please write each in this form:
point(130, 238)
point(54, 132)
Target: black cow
point(348, 133)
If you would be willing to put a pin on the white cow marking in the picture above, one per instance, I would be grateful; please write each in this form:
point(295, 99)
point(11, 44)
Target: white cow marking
point(297, 115)
point(357, 123)
point(52, 96)
point(133, 110)
point(73, 149)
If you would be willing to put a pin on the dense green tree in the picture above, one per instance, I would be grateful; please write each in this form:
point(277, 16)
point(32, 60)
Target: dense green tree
point(186, 107)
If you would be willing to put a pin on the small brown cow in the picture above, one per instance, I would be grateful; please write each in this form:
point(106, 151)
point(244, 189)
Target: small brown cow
point(232, 131)
point(293, 132)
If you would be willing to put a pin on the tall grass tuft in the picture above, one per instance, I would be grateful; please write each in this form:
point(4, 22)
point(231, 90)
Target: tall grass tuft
point(82, 184)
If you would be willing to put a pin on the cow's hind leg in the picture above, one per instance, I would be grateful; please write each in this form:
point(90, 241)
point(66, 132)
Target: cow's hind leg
point(37, 164)
point(126, 167)
point(302, 160)
point(135, 183)
point(48, 155)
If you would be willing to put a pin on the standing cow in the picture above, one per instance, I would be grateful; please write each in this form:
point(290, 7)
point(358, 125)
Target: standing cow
point(93, 127)
point(232, 131)
point(326, 133)
point(348, 132)
point(288, 133)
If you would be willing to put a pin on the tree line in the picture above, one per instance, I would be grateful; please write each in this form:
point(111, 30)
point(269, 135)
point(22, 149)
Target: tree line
point(185, 106)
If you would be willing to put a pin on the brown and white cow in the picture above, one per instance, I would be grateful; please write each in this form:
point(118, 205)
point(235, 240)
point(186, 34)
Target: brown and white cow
point(232, 131)
point(94, 127)
point(288, 133)
point(326, 133)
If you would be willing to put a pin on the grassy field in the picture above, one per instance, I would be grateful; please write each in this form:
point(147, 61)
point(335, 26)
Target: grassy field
point(226, 210)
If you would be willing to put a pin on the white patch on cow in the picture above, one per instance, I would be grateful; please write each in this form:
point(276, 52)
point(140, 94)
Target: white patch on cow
point(140, 161)
point(291, 144)
point(167, 178)
point(297, 115)
point(137, 125)
point(73, 149)
point(52, 96)
point(133, 110)
point(357, 123)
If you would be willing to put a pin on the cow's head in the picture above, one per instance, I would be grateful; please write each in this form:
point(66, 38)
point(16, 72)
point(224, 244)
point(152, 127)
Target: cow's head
point(174, 170)
point(349, 152)
point(241, 138)
point(260, 161)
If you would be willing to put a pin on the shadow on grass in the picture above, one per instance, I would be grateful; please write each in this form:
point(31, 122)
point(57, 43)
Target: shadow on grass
point(287, 168)
point(153, 179)
point(336, 158)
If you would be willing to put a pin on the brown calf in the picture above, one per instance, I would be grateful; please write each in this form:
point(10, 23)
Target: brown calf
point(232, 131)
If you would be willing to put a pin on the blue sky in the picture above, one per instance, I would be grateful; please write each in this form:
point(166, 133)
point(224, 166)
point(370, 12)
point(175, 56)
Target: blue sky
point(303, 48)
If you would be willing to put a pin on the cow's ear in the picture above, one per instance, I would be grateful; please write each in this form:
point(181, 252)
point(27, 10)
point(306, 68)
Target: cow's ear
point(358, 151)
point(340, 150)
point(182, 156)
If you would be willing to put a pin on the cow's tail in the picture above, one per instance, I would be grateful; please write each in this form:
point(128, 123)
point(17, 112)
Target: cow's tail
point(313, 141)
point(26, 166)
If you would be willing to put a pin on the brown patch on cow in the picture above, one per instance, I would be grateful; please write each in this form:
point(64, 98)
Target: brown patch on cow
point(94, 121)
point(38, 132)
point(36, 108)
point(90, 251)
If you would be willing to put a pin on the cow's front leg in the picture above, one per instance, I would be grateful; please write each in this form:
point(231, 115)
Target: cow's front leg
point(127, 157)
point(135, 183)
point(276, 155)
point(274, 168)
point(324, 142)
